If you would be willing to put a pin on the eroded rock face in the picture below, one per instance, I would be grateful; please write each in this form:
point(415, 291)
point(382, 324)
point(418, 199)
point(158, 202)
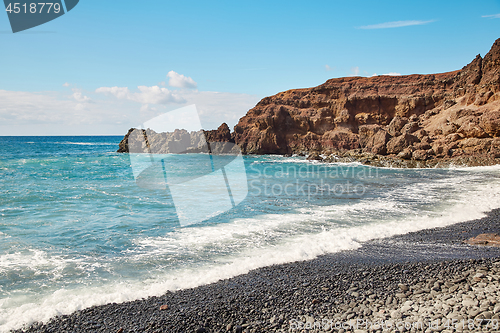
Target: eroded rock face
point(418, 117)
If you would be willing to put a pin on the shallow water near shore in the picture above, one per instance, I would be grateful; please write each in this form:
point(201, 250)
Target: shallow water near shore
point(76, 230)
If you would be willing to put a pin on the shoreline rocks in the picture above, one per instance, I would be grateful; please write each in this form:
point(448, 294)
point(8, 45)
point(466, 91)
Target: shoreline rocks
point(469, 302)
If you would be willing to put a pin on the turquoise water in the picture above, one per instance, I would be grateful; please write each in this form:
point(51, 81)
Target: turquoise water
point(77, 229)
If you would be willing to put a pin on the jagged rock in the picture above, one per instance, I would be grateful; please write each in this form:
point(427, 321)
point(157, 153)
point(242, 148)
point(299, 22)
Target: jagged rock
point(420, 155)
point(410, 127)
point(490, 122)
point(178, 142)
point(422, 146)
point(395, 126)
point(406, 154)
point(420, 134)
point(485, 240)
point(123, 145)
point(373, 138)
point(474, 146)
point(339, 140)
point(221, 134)
point(453, 137)
point(314, 156)
point(397, 144)
point(495, 148)
point(440, 148)
point(472, 130)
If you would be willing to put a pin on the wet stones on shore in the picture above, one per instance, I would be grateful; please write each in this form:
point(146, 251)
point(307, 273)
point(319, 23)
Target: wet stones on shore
point(468, 303)
point(399, 161)
point(367, 284)
point(292, 297)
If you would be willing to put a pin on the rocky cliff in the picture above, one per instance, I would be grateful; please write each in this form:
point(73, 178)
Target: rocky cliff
point(411, 117)
point(451, 116)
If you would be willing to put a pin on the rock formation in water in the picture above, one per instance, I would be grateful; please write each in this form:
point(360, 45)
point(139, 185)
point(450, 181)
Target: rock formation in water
point(180, 141)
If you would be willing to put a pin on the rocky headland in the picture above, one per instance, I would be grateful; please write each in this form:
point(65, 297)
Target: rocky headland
point(433, 118)
point(407, 121)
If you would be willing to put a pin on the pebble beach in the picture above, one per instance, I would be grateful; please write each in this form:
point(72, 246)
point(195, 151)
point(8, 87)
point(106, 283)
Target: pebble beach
point(425, 281)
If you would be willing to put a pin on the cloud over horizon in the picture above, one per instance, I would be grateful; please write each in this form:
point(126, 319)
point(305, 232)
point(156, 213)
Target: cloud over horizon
point(387, 74)
point(145, 95)
point(180, 81)
point(354, 71)
point(111, 110)
point(395, 24)
point(79, 96)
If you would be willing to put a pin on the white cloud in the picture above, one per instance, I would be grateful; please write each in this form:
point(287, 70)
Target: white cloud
point(79, 96)
point(66, 84)
point(355, 71)
point(395, 24)
point(156, 95)
point(328, 68)
point(491, 16)
point(53, 113)
point(110, 110)
point(180, 81)
point(145, 95)
point(118, 92)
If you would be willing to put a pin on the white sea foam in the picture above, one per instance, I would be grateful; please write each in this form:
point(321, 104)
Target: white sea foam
point(34, 260)
point(87, 143)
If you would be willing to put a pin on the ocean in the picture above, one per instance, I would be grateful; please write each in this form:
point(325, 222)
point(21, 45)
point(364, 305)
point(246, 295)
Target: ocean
point(77, 227)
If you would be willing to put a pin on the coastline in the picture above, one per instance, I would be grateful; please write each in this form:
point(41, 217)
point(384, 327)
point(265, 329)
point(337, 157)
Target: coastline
point(275, 298)
point(375, 160)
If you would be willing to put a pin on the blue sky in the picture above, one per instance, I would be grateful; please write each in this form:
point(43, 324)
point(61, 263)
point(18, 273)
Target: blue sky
point(81, 73)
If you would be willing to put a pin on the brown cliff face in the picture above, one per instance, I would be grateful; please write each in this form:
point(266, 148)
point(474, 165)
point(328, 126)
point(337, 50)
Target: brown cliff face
point(417, 117)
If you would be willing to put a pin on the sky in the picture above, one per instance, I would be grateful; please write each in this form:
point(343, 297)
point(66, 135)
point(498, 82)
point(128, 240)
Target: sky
point(107, 66)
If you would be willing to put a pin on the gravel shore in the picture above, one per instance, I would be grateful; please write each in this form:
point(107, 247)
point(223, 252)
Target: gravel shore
point(426, 281)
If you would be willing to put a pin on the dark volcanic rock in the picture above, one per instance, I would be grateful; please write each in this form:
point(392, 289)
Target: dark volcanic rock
point(180, 141)
point(222, 134)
